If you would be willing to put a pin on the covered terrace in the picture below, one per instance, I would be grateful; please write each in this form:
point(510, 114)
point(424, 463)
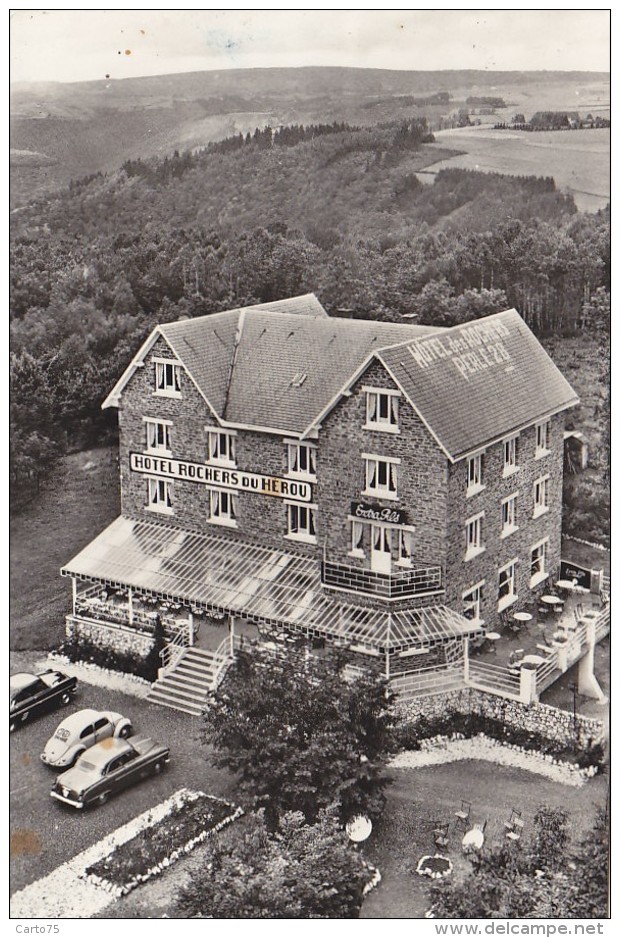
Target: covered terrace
point(192, 573)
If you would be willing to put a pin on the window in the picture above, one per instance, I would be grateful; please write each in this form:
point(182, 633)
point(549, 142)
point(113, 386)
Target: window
point(382, 410)
point(510, 456)
point(302, 460)
point(160, 495)
point(542, 439)
point(540, 496)
point(506, 594)
point(158, 436)
point(381, 479)
point(473, 536)
point(222, 447)
point(538, 563)
point(474, 474)
point(404, 547)
point(167, 379)
point(223, 509)
point(301, 523)
point(472, 603)
point(357, 538)
point(509, 515)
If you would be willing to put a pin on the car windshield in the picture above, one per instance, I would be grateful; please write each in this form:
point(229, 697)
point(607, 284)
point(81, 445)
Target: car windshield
point(62, 733)
point(84, 766)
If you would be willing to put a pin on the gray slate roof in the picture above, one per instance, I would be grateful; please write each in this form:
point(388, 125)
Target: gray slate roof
point(282, 365)
point(480, 381)
point(278, 365)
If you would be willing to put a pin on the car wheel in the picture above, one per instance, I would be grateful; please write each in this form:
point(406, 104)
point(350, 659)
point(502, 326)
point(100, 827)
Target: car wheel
point(76, 757)
point(103, 797)
point(126, 731)
point(65, 699)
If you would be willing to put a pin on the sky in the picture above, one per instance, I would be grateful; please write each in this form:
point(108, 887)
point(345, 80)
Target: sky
point(81, 45)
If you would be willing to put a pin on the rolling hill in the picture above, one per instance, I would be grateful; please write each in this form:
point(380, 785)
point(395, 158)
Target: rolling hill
point(81, 128)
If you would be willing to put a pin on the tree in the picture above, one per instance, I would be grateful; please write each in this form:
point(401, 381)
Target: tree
point(153, 662)
point(302, 871)
point(300, 735)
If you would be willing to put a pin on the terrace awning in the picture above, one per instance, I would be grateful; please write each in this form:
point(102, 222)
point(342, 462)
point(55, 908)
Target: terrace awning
point(251, 581)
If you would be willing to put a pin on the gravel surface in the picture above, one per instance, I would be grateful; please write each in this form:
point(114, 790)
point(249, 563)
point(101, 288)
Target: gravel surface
point(45, 833)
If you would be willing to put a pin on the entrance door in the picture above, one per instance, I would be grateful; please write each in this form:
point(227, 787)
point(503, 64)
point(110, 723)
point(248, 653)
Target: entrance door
point(381, 552)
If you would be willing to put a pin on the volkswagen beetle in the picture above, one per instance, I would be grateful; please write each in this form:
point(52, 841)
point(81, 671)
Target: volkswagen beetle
point(108, 767)
point(79, 732)
point(33, 693)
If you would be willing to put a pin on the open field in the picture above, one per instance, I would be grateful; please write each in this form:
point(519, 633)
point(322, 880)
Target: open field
point(578, 160)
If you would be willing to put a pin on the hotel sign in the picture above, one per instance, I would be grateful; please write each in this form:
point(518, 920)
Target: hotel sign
point(475, 348)
point(372, 512)
point(168, 468)
point(572, 571)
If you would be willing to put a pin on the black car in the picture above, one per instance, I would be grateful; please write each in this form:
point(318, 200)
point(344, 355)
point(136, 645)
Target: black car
point(108, 767)
point(32, 694)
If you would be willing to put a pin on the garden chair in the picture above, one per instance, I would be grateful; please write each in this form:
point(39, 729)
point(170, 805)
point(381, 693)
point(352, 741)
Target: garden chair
point(440, 836)
point(510, 824)
point(462, 816)
point(517, 829)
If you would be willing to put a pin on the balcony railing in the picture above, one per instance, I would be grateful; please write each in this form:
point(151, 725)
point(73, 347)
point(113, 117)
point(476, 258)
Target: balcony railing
point(410, 581)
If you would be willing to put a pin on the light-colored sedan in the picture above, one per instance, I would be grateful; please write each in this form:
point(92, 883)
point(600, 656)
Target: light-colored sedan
point(79, 732)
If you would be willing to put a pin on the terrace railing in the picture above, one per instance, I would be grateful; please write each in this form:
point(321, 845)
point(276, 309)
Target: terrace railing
point(494, 678)
point(401, 584)
point(173, 651)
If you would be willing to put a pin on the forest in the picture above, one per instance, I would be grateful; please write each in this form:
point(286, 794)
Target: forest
point(339, 211)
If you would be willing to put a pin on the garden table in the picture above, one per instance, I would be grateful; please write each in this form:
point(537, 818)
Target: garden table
point(551, 600)
point(532, 659)
point(522, 617)
point(473, 839)
point(493, 636)
point(565, 585)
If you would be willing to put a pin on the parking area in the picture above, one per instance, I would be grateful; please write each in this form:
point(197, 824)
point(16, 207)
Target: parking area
point(45, 833)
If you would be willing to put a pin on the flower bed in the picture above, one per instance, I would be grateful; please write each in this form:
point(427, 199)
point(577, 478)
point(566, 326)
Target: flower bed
point(455, 748)
point(191, 818)
point(435, 867)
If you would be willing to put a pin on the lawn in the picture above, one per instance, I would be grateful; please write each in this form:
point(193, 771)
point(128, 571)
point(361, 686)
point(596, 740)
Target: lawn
point(419, 798)
point(77, 500)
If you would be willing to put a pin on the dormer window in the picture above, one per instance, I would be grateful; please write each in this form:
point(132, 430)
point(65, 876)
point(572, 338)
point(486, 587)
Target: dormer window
point(382, 410)
point(221, 447)
point(302, 460)
point(167, 378)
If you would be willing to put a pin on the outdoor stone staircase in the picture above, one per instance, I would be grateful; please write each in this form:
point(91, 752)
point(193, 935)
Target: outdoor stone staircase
point(186, 685)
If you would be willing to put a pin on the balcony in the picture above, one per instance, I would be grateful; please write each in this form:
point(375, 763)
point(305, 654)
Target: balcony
point(417, 580)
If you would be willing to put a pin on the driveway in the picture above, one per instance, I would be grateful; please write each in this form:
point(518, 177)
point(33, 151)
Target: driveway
point(45, 833)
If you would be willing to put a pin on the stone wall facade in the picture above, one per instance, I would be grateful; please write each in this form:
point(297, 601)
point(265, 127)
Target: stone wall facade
point(260, 519)
point(422, 474)
point(540, 718)
point(463, 574)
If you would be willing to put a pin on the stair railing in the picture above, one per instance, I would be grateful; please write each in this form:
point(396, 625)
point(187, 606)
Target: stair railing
point(223, 659)
point(173, 650)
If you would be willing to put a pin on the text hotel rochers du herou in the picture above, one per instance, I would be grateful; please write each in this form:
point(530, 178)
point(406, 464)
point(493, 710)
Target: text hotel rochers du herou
point(168, 468)
point(474, 349)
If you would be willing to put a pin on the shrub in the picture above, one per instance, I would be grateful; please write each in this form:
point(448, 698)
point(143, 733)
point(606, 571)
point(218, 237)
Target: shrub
point(78, 648)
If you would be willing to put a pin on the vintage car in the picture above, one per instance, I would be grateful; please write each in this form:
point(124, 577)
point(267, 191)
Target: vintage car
point(107, 768)
point(33, 693)
point(79, 732)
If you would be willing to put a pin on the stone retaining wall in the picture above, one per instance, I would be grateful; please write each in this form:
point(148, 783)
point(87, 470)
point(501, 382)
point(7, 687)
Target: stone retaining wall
point(125, 641)
point(540, 718)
